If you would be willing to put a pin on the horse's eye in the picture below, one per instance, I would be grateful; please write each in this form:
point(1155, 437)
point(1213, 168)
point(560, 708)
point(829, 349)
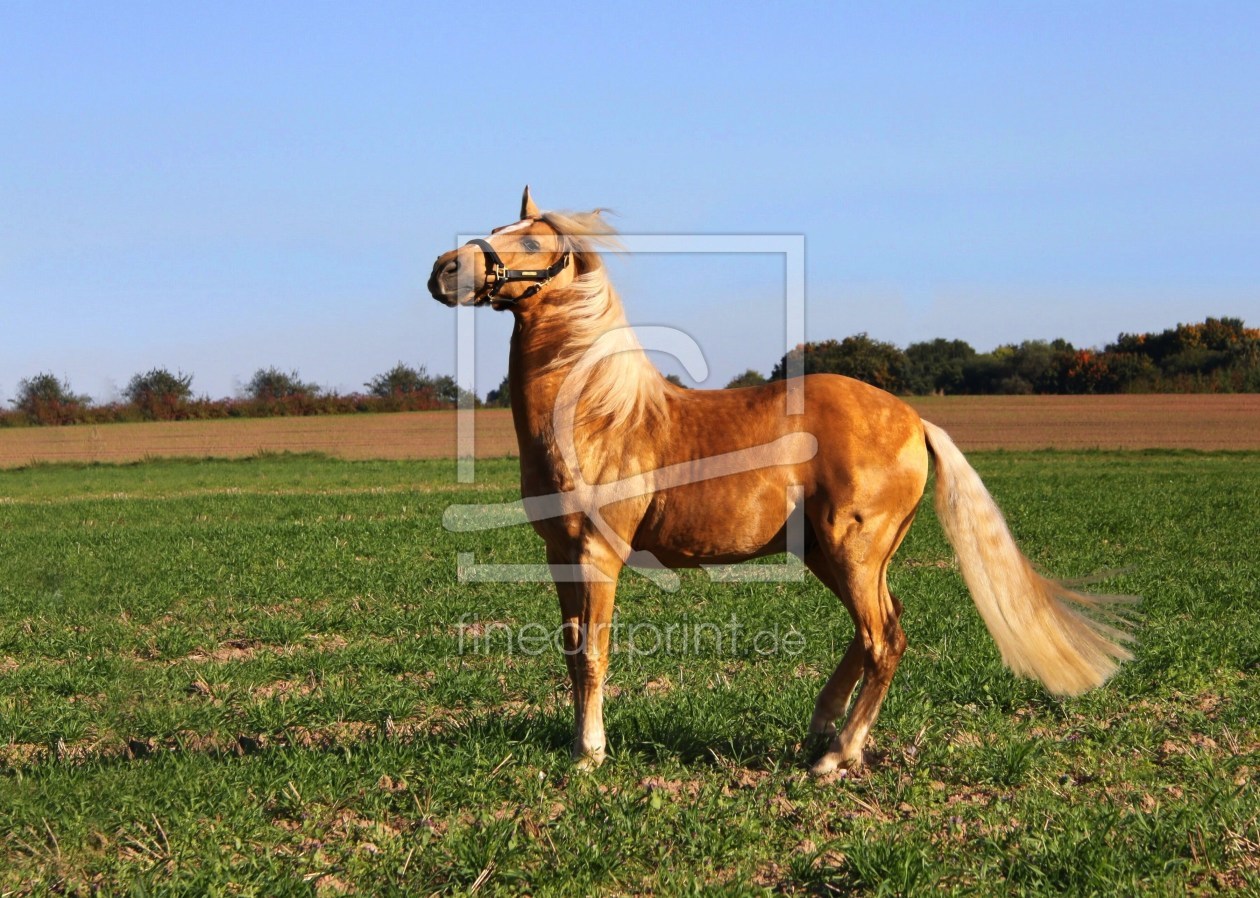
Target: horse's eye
point(530, 245)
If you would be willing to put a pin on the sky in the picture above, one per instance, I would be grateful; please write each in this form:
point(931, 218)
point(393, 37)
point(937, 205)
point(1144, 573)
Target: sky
point(217, 188)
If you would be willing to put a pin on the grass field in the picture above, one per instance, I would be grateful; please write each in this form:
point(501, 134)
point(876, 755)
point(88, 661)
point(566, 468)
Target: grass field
point(246, 678)
point(1196, 421)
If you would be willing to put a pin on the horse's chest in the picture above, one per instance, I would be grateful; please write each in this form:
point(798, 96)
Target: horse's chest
point(573, 510)
point(544, 474)
point(549, 483)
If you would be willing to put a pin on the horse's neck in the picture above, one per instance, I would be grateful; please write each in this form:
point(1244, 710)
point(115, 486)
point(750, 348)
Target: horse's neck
point(532, 384)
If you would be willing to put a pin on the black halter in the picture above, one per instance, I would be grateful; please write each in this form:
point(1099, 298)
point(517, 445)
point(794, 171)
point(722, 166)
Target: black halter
point(498, 274)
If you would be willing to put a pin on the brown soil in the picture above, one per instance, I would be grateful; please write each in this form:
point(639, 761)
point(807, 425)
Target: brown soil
point(1179, 421)
point(1199, 421)
point(403, 435)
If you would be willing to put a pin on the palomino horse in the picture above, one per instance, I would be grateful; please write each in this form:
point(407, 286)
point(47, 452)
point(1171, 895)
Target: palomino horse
point(626, 463)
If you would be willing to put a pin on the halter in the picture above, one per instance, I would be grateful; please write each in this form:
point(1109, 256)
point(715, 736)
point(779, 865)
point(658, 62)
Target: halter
point(498, 274)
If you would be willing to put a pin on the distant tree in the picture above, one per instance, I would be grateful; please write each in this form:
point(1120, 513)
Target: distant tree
point(749, 378)
point(1034, 366)
point(1213, 335)
point(159, 394)
point(937, 366)
point(399, 381)
point(1195, 360)
point(1127, 372)
point(982, 373)
point(676, 381)
point(271, 384)
point(1043, 365)
point(45, 399)
point(1220, 334)
point(448, 392)
point(861, 357)
point(1217, 354)
point(500, 396)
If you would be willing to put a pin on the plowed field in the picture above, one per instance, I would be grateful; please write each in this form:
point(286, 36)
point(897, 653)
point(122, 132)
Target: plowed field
point(1205, 422)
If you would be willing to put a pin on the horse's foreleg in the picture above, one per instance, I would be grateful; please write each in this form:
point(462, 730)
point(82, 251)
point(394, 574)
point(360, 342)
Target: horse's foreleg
point(587, 586)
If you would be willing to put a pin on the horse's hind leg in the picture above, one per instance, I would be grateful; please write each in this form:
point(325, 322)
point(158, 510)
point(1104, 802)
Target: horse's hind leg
point(858, 565)
point(834, 697)
point(883, 643)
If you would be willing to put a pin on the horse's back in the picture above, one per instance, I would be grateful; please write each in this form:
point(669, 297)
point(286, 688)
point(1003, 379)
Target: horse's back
point(857, 426)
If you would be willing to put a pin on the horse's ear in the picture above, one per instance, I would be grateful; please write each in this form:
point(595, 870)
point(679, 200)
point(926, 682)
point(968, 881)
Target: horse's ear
point(528, 209)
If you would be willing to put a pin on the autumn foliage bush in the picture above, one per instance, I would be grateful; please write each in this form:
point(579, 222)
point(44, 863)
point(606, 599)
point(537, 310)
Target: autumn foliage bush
point(46, 399)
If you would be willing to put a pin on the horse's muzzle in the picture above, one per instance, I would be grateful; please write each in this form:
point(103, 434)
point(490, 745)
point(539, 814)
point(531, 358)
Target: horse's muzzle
point(444, 282)
point(457, 278)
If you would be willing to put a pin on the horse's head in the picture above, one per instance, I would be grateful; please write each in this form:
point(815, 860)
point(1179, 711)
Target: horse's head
point(516, 263)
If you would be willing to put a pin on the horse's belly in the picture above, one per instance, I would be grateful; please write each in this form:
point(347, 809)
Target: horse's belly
point(716, 523)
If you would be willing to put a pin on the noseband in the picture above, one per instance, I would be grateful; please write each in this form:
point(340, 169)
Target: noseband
point(498, 274)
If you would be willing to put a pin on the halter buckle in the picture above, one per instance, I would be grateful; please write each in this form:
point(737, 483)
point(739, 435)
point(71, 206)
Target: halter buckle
point(498, 274)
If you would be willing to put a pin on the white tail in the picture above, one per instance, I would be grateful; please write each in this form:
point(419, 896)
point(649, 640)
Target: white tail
point(1038, 633)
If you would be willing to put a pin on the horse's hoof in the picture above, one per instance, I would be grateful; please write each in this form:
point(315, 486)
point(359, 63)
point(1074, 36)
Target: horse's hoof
point(834, 763)
point(828, 763)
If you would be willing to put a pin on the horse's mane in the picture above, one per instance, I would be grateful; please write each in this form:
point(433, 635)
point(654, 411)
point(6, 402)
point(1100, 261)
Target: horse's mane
point(623, 389)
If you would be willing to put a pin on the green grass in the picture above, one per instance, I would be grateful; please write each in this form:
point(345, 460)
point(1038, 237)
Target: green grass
point(245, 678)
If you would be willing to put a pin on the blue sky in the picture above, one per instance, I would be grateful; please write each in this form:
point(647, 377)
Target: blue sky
point(222, 187)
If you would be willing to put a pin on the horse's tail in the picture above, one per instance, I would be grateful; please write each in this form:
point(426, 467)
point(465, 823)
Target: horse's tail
point(1039, 634)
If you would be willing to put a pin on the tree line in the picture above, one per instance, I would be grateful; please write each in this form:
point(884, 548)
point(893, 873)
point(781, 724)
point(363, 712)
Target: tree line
point(1219, 355)
point(160, 395)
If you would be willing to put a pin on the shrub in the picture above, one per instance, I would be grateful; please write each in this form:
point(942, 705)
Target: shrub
point(404, 388)
point(270, 384)
point(274, 392)
point(500, 396)
point(749, 378)
point(46, 400)
point(159, 394)
point(401, 380)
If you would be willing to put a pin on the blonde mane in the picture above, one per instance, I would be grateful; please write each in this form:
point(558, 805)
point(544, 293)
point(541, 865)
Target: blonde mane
point(623, 388)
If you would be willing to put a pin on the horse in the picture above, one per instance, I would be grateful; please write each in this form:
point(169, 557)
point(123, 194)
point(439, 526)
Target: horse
point(621, 465)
